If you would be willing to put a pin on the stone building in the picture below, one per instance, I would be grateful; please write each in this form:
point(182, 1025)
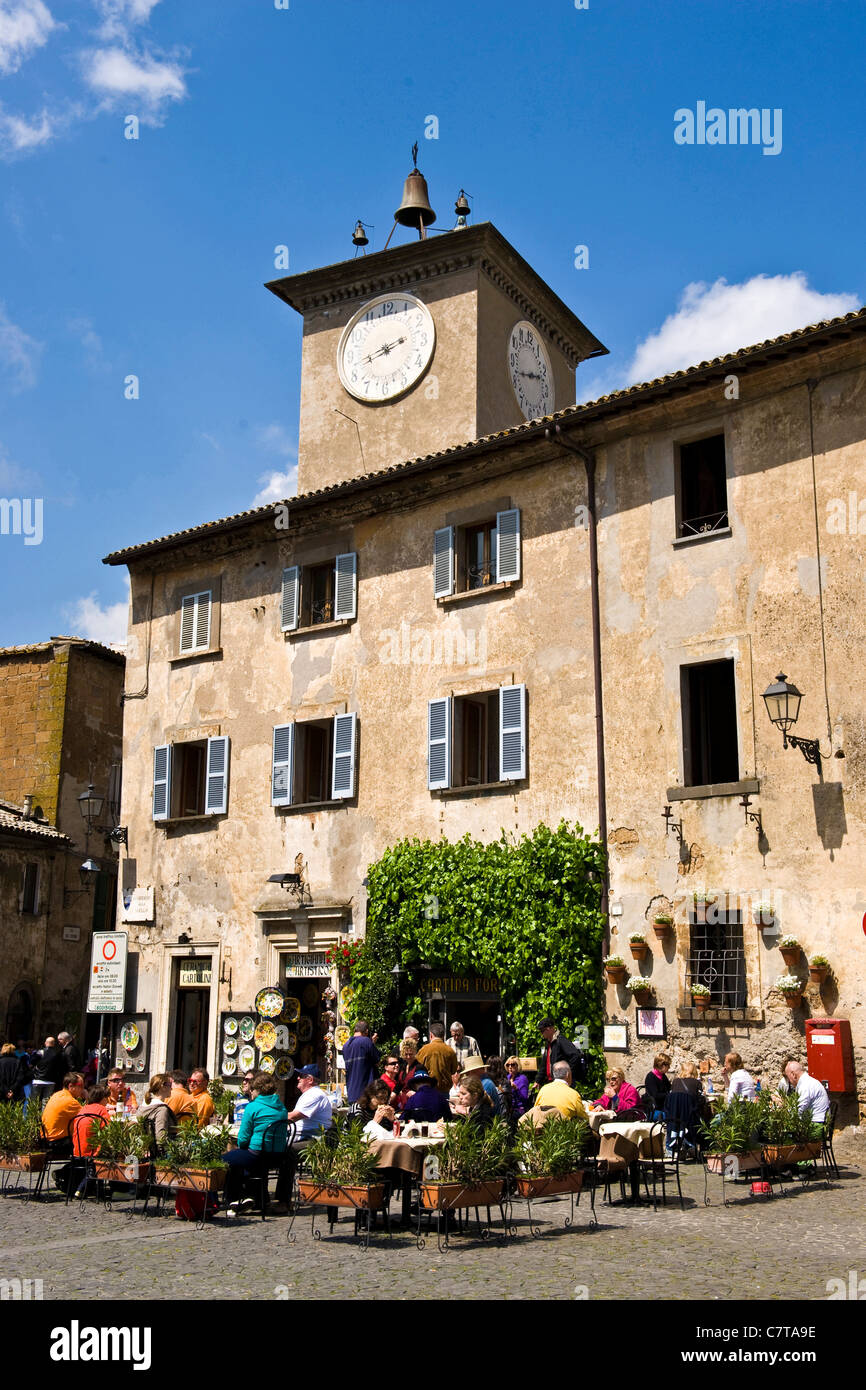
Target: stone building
point(60, 731)
point(489, 608)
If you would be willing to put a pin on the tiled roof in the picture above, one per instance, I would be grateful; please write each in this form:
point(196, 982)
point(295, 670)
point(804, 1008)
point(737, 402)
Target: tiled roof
point(12, 819)
point(99, 647)
point(787, 344)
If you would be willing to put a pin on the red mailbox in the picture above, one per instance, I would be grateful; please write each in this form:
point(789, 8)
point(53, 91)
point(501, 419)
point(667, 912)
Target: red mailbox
point(829, 1054)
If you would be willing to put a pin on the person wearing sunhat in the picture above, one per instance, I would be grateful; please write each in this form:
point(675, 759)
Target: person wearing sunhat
point(475, 1067)
point(426, 1103)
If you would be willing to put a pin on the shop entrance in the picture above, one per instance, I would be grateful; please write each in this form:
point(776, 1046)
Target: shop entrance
point(474, 1001)
point(305, 979)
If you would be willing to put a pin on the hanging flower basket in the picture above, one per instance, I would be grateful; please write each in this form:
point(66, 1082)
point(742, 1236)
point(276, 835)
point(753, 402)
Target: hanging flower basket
point(615, 968)
point(638, 947)
point(790, 948)
point(791, 989)
point(764, 916)
point(662, 924)
point(641, 990)
point(819, 969)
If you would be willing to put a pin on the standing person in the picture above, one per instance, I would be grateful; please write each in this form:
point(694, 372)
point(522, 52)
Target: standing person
point(740, 1083)
point(558, 1049)
point(463, 1046)
point(657, 1085)
point(198, 1089)
point(519, 1084)
point(180, 1100)
point(48, 1071)
point(119, 1093)
point(439, 1059)
point(361, 1061)
point(73, 1060)
point(411, 1034)
point(12, 1074)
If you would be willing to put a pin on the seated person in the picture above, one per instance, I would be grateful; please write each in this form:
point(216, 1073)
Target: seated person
point(201, 1096)
point(476, 1066)
point(375, 1111)
point(156, 1112)
point(60, 1110)
point(740, 1083)
point(85, 1126)
point(118, 1091)
point(473, 1106)
point(180, 1100)
point(810, 1092)
point(426, 1103)
point(391, 1075)
point(657, 1085)
point(262, 1132)
point(518, 1081)
point(560, 1094)
point(620, 1096)
point(312, 1116)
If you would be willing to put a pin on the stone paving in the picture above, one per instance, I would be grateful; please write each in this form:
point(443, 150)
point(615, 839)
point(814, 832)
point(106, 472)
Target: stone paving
point(781, 1248)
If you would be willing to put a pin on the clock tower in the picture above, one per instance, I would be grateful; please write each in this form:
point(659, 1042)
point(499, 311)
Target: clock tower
point(424, 346)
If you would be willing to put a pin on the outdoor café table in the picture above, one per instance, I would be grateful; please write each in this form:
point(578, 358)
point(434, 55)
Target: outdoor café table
point(596, 1118)
point(407, 1154)
point(637, 1133)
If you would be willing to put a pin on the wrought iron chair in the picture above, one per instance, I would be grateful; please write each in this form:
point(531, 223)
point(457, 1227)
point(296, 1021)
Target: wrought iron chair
point(270, 1161)
point(827, 1154)
point(654, 1160)
point(81, 1163)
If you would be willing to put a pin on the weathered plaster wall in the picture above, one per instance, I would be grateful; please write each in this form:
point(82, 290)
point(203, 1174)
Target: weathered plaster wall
point(32, 704)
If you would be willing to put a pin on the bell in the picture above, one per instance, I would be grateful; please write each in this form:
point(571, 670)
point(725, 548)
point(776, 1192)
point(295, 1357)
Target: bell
point(461, 207)
point(415, 209)
point(359, 237)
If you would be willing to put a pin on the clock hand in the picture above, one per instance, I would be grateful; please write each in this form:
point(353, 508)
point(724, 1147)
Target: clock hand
point(386, 348)
point(535, 376)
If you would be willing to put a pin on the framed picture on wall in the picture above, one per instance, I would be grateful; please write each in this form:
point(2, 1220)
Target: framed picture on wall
point(651, 1023)
point(615, 1037)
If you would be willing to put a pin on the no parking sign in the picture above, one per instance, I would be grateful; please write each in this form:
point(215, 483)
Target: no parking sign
point(107, 972)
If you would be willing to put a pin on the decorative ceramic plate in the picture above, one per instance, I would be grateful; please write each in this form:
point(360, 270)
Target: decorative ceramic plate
point(291, 1009)
point(230, 1066)
point(266, 1037)
point(230, 1026)
point(247, 1028)
point(305, 1028)
point(285, 1068)
point(267, 1064)
point(342, 1036)
point(293, 1042)
point(269, 1003)
point(247, 1058)
point(139, 1066)
point(347, 994)
point(310, 995)
point(230, 1047)
point(130, 1037)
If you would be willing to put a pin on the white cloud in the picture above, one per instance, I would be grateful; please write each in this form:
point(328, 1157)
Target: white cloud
point(88, 618)
point(276, 487)
point(24, 27)
point(114, 74)
point(277, 484)
point(711, 320)
point(19, 353)
point(119, 16)
point(84, 331)
point(21, 136)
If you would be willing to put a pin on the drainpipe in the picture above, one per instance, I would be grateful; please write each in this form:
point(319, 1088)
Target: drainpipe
point(554, 434)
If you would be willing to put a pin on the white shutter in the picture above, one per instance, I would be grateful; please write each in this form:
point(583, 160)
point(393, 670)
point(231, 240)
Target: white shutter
point(162, 782)
point(281, 765)
point(291, 593)
point(202, 621)
point(512, 732)
point(217, 782)
point(507, 545)
point(187, 623)
point(345, 586)
point(443, 562)
point(439, 744)
point(195, 622)
point(343, 774)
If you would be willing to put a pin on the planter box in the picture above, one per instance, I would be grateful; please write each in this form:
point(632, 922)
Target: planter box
point(747, 1162)
point(25, 1163)
point(549, 1186)
point(780, 1154)
point(447, 1196)
point(109, 1171)
point(369, 1198)
point(191, 1179)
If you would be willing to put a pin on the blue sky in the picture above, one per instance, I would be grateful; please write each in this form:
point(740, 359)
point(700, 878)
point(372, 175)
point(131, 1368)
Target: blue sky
point(261, 127)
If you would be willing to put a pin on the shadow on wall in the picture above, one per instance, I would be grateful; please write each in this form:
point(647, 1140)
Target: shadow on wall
point(830, 820)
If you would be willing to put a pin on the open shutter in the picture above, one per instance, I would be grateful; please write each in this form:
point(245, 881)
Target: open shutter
point(439, 744)
point(512, 732)
point(187, 623)
point(289, 607)
point(507, 545)
point(345, 586)
point(161, 782)
point(343, 775)
point(216, 795)
point(195, 622)
point(443, 562)
point(202, 621)
point(281, 765)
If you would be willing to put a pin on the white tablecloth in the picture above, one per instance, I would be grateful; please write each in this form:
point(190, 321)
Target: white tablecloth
point(638, 1131)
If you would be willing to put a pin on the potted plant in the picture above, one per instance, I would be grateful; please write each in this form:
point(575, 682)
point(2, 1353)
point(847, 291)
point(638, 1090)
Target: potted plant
point(615, 967)
point(819, 969)
point(700, 997)
point(223, 1099)
point(700, 902)
point(790, 948)
point(662, 923)
point(789, 1136)
point(763, 915)
point(641, 989)
point(122, 1151)
point(734, 1130)
point(342, 1174)
point(637, 945)
point(22, 1147)
point(791, 989)
point(472, 1164)
point(550, 1156)
point(192, 1159)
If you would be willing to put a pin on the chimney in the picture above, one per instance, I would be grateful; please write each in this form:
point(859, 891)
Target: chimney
point(27, 810)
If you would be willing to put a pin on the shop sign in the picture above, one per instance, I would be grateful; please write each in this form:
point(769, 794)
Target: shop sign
point(461, 987)
point(194, 973)
point(312, 964)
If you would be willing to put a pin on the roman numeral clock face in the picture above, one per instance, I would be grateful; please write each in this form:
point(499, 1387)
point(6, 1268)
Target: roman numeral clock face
point(386, 346)
point(530, 371)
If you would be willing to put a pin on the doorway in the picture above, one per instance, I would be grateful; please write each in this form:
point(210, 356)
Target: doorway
point(190, 1032)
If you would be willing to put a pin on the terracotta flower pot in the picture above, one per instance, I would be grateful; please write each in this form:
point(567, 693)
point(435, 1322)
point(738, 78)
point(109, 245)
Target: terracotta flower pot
point(615, 974)
point(661, 929)
point(638, 949)
point(790, 954)
point(793, 1000)
point(642, 997)
point(363, 1198)
point(701, 1002)
point(818, 973)
point(549, 1186)
point(191, 1179)
point(447, 1196)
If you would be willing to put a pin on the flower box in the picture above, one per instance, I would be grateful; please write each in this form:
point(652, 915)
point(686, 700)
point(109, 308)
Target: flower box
point(362, 1198)
point(24, 1163)
point(191, 1179)
point(111, 1171)
point(781, 1154)
point(549, 1186)
point(447, 1196)
point(746, 1162)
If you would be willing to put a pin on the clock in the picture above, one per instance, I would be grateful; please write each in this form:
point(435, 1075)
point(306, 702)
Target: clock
point(529, 371)
point(386, 347)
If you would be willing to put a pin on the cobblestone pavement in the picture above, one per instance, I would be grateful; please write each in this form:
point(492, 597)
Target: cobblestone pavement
point(782, 1248)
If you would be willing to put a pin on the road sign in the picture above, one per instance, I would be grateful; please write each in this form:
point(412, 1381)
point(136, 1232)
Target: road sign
point(107, 972)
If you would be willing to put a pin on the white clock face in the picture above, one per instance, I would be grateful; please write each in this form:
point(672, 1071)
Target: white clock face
point(386, 346)
point(530, 371)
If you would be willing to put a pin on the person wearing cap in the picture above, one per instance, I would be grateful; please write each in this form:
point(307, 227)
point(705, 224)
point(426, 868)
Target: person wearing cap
point(312, 1116)
point(475, 1067)
point(464, 1046)
point(426, 1103)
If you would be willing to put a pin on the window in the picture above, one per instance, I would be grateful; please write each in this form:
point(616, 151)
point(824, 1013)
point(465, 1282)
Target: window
point(466, 558)
point(315, 594)
point(709, 704)
point(717, 955)
point(313, 761)
point(477, 740)
point(191, 779)
point(702, 493)
point(30, 890)
point(195, 614)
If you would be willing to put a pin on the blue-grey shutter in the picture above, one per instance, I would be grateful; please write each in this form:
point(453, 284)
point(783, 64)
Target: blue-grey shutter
point(345, 586)
point(202, 621)
point(281, 765)
point(162, 782)
point(443, 562)
point(187, 623)
point(507, 545)
point(217, 781)
point(512, 732)
point(289, 606)
point(439, 744)
point(343, 764)
point(195, 622)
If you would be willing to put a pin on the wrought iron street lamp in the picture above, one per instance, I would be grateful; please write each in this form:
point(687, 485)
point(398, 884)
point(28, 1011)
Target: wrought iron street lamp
point(783, 707)
point(90, 806)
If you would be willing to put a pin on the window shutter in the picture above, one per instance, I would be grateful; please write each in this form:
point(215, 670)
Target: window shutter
point(187, 623)
point(216, 794)
point(439, 744)
point(195, 622)
point(512, 732)
point(345, 586)
point(443, 562)
point(202, 621)
point(162, 782)
point(291, 594)
point(281, 765)
point(507, 545)
point(343, 776)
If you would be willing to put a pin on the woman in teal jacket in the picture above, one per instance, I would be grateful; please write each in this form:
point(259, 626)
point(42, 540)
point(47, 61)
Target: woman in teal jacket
point(263, 1132)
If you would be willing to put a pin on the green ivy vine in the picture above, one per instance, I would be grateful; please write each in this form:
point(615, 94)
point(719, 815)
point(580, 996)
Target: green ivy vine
point(526, 911)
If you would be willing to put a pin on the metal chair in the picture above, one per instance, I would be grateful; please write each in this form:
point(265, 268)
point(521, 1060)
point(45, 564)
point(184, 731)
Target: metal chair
point(827, 1154)
point(661, 1166)
point(271, 1161)
point(81, 1163)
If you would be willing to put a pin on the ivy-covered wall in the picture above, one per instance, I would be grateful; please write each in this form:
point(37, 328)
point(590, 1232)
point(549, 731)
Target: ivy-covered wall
point(526, 911)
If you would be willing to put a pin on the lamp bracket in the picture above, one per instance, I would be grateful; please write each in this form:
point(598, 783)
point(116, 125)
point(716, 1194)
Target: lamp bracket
point(809, 747)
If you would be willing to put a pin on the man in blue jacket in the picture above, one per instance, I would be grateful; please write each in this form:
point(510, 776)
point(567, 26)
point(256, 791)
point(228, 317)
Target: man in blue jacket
point(361, 1061)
